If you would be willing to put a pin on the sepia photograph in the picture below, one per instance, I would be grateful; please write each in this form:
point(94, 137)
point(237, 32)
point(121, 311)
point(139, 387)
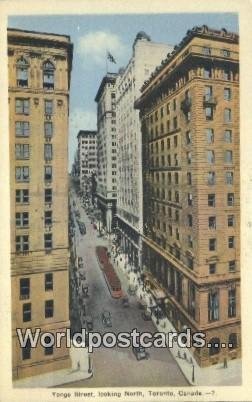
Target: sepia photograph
point(124, 148)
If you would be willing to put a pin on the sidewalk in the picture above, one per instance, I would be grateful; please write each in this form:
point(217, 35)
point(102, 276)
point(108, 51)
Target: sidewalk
point(196, 375)
point(78, 371)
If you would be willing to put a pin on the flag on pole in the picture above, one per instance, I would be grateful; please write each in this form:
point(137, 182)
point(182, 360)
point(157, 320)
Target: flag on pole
point(110, 58)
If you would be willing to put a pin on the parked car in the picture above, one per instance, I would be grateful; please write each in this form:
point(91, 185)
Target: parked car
point(146, 315)
point(125, 301)
point(106, 319)
point(140, 352)
point(89, 323)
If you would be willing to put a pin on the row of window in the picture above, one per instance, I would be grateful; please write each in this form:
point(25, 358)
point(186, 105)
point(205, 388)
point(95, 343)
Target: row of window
point(22, 129)
point(210, 156)
point(22, 67)
point(22, 218)
point(23, 173)
point(25, 286)
point(22, 106)
point(22, 242)
point(23, 196)
point(22, 151)
point(214, 304)
point(27, 310)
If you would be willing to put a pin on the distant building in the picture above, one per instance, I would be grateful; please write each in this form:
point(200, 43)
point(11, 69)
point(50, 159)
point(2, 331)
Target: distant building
point(189, 111)
point(145, 57)
point(106, 151)
point(87, 158)
point(39, 82)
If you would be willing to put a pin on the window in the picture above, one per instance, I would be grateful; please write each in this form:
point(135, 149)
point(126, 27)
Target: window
point(22, 243)
point(24, 286)
point(212, 244)
point(175, 141)
point(228, 156)
point(176, 159)
point(22, 196)
point(48, 281)
point(48, 195)
point(231, 302)
point(211, 200)
point(22, 219)
point(229, 177)
point(189, 220)
point(176, 196)
point(189, 199)
point(210, 135)
point(174, 104)
point(231, 266)
point(191, 298)
point(212, 222)
point(175, 123)
point(190, 241)
point(170, 230)
point(215, 346)
point(190, 262)
point(230, 199)
point(230, 220)
point(48, 75)
point(22, 72)
point(212, 268)
point(231, 241)
point(176, 178)
point(22, 151)
point(176, 215)
point(188, 137)
point(225, 52)
point(168, 108)
point(207, 73)
point(189, 157)
point(49, 308)
point(232, 341)
point(156, 115)
point(213, 305)
point(209, 113)
point(48, 129)
point(227, 115)
point(206, 51)
point(162, 112)
point(211, 178)
point(227, 94)
point(48, 217)
point(22, 129)
point(169, 195)
point(164, 227)
point(26, 350)
point(169, 177)
point(22, 173)
point(26, 312)
point(208, 93)
point(228, 136)
point(169, 212)
point(168, 143)
point(168, 127)
point(48, 173)
point(48, 241)
point(48, 152)
point(210, 156)
point(189, 178)
point(48, 107)
point(22, 106)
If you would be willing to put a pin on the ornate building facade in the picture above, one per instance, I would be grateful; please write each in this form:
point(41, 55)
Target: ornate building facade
point(191, 204)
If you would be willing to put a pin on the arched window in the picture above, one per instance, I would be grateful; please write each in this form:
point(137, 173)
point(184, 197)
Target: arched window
point(215, 346)
point(232, 341)
point(48, 75)
point(22, 72)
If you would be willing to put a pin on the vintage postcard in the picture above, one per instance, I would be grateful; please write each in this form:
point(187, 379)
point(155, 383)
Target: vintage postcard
point(126, 189)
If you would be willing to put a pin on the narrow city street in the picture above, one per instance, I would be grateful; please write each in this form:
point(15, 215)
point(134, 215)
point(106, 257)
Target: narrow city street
point(117, 366)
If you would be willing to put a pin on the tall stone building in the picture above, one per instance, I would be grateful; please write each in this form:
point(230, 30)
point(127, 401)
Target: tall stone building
point(106, 151)
point(146, 55)
point(39, 80)
point(191, 244)
point(87, 158)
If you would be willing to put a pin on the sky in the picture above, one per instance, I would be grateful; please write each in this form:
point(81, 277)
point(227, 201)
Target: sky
point(93, 35)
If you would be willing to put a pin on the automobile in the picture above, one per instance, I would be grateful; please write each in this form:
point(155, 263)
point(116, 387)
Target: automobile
point(106, 319)
point(140, 352)
point(125, 301)
point(89, 323)
point(146, 315)
point(80, 262)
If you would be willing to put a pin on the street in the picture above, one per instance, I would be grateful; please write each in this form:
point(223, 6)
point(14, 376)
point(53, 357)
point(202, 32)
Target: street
point(117, 366)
